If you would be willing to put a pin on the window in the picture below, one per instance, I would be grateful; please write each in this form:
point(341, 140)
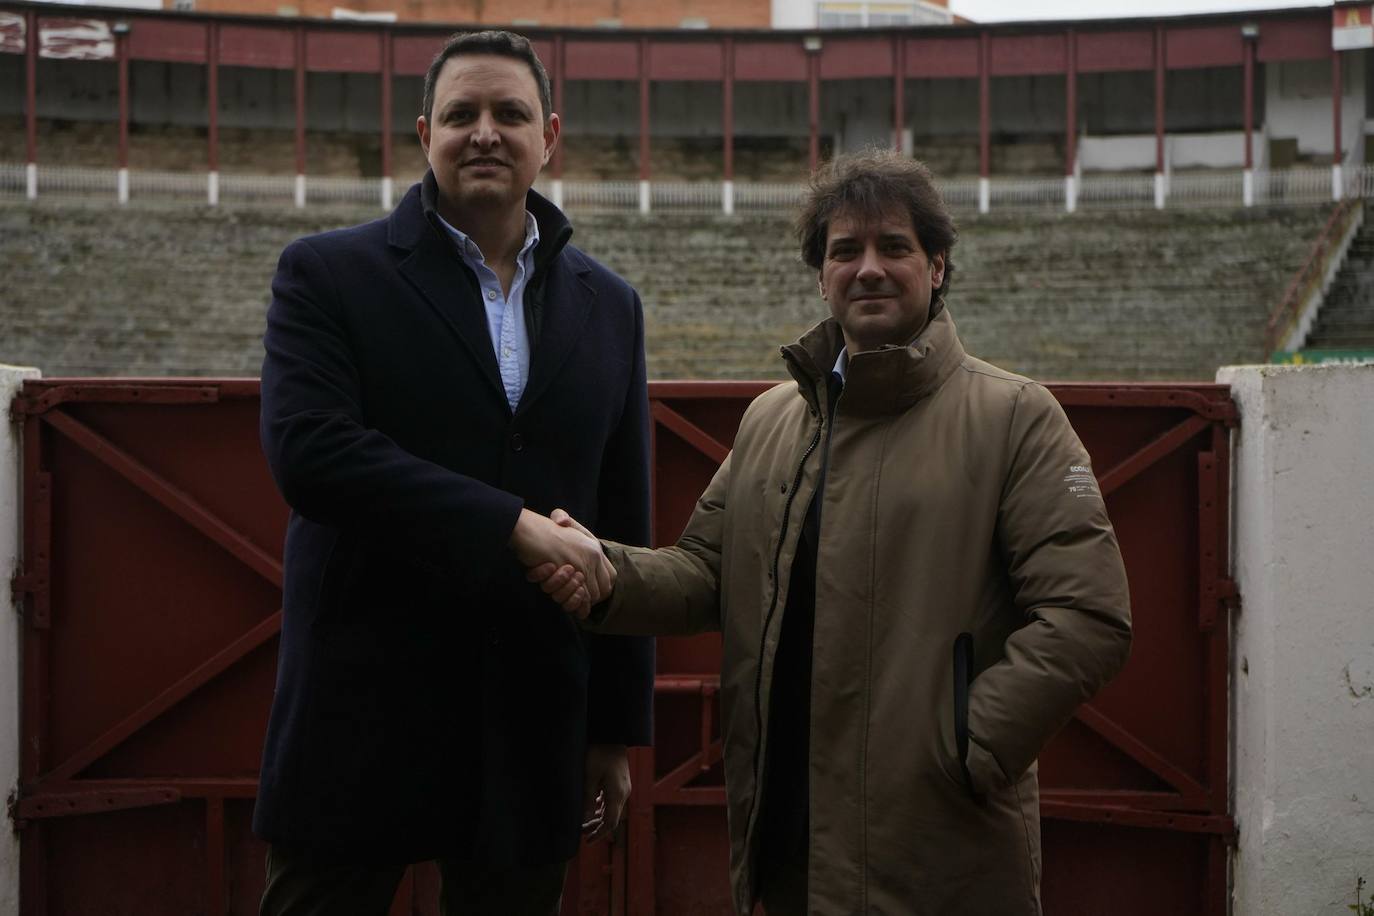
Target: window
point(858, 14)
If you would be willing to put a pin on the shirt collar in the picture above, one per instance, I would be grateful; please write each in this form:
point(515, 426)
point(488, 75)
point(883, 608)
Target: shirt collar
point(841, 364)
point(469, 248)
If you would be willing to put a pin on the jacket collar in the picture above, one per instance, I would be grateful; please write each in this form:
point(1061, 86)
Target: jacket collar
point(434, 266)
point(877, 382)
point(418, 215)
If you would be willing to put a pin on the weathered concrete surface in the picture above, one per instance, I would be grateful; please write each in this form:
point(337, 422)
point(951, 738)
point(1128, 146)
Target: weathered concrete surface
point(1303, 669)
point(175, 289)
point(11, 378)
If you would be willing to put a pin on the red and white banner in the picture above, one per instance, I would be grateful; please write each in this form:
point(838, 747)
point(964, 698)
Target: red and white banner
point(75, 39)
point(1352, 27)
point(12, 31)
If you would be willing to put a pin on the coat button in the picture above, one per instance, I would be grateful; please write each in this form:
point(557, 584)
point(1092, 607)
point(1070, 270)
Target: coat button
point(783, 488)
point(517, 442)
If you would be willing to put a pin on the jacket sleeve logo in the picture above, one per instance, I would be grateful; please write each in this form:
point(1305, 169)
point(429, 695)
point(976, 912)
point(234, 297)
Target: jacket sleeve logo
point(1081, 482)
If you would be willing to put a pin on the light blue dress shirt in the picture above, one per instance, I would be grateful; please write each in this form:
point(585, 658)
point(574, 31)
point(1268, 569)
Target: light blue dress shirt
point(505, 314)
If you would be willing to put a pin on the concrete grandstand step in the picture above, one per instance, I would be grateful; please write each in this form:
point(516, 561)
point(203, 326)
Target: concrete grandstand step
point(1168, 295)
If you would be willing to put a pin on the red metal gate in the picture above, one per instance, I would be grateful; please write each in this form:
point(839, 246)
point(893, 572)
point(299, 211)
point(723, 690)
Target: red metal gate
point(151, 583)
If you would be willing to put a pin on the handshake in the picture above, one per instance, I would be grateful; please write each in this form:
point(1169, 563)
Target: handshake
point(564, 558)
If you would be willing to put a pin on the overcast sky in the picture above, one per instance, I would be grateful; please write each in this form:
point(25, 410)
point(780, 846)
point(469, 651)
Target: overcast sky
point(1002, 10)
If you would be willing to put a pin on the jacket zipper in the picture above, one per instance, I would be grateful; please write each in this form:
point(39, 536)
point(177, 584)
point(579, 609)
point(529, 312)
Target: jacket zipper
point(767, 621)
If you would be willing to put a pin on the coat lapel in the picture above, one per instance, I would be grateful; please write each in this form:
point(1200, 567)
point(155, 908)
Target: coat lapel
point(568, 300)
point(442, 279)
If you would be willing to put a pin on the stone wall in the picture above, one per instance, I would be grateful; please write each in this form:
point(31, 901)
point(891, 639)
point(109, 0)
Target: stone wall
point(173, 290)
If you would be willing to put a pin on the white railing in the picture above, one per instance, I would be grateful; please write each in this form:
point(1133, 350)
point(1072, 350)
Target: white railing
point(275, 189)
point(1116, 192)
point(1293, 186)
point(78, 182)
point(601, 195)
point(686, 197)
point(13, 179)
point(761, 197)
point(1207, 189)
point(1222, 188)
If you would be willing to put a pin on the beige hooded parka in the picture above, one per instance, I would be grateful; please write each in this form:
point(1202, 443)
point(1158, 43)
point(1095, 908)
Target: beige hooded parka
point(969, 595)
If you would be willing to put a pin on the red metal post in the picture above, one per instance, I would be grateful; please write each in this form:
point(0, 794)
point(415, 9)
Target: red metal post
point(1070, 101)
point(1249, 79)
point(387, 67)
point(212, 96)
point(122, 56)
point(300, 101)
point(640, 893)
point(813, 81)
point(984, 105)
point(31, 87)
point(727, 107)
point(1159, 99)
point(898, 90)
point(558, 70)
point(216, 886)
point(644, 109)
point(1336, 90)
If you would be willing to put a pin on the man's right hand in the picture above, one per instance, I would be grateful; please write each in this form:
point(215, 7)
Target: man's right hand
point(563, 583)
point(570, 549)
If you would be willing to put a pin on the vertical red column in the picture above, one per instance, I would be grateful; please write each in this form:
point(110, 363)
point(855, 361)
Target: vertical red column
point(644, 109)
point(1160, 184)
point(300, 116)
point(727, 125)
point(727, 107)
point(813, 82)
point(644, 125)
point(1070, 121)
point(559, 71)
point(122, 57)
point(1337, 144)
point(1336, 89)
point(898, 90)
point(984, 121)
point(1070, 102)
point(31, 101)
point(212, 111)
point(1249, 80)
point(387, 68)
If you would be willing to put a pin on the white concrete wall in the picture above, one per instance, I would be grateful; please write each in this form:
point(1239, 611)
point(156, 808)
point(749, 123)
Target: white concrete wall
point(1110, 154)
point(1217, 150)
point(1303, 666)
point(1298, 103)
point(10, 631)
point(794, 14)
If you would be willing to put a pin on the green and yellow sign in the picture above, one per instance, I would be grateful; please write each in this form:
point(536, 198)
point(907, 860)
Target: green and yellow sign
point(1323, 357)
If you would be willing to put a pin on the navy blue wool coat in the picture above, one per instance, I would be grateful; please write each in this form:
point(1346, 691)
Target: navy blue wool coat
point(430, 702)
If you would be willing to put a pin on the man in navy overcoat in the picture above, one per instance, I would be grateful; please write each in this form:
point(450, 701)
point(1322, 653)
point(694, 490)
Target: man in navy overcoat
point(436, 383)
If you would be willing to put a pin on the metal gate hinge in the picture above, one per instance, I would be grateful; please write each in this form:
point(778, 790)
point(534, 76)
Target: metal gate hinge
point(1229, 593)
point(23, 584)
point(19, 409)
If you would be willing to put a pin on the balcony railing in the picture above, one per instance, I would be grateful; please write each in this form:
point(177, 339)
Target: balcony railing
point(965, 195)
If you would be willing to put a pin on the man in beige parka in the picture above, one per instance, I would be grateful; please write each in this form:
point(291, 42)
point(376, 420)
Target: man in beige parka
point(915, 579)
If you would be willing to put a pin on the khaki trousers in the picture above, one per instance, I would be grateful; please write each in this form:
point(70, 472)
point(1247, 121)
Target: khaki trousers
point(298, 887)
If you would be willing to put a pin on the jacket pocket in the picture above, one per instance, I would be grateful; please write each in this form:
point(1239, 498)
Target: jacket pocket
point(963, 677)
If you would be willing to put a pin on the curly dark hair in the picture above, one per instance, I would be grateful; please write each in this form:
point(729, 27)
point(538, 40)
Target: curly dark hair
point(491, 41)
point(870, 185)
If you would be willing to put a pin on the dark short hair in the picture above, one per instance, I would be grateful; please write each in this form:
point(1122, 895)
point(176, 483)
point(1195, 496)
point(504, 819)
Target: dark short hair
point(870, 185)
point(492, 41)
